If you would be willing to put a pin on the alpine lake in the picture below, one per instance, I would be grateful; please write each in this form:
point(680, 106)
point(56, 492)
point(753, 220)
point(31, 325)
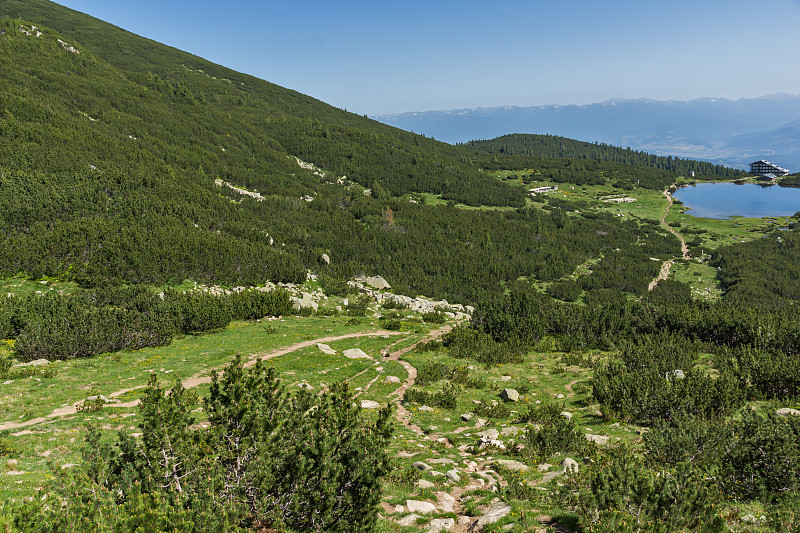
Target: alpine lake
point(727, 200)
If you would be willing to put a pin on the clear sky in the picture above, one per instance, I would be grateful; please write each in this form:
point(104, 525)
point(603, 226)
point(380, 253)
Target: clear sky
point(376, 56)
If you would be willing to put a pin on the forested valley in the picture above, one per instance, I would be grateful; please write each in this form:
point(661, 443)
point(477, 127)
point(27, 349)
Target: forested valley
point(168, 218)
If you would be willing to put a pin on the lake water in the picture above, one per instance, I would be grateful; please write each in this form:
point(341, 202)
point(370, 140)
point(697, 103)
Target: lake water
point(724, 200)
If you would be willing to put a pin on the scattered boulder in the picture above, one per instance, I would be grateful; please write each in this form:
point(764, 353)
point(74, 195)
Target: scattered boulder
point(440, 524)
point(35, 362)
point(324, 348)
point(369, 404)
point(566, 414)
point(490, 434)
point(787, 411)
point(326, 259)
point(425, 484)
point(505, 378)
point(492, 514)
point(425, 408)
point(408, 520)
point(377, 282)
point(511, 464)
point(419, 465)
point(674, 374)
point(392, 379)
point(442, 460)
point(511, 430)
point(480, 422)
point(416, 506)
point(300, 303)
point(597, 439)
point(452, 475)
point(445, 502)
point(510, 395)
point(355, 353)
point(560, 396)
point(466, 417)
point(570, 466)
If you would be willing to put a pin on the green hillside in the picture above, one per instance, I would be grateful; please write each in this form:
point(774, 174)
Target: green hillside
point(525, 146)
point(109, 168)
point(620, 366)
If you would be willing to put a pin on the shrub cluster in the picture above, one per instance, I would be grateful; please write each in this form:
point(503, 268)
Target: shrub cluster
point(53, 326)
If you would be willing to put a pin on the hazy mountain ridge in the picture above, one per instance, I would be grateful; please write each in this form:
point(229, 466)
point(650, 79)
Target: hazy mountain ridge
point(731, 132)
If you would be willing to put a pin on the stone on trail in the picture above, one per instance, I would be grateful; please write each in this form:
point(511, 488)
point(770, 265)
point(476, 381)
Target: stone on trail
point(324, 348)
point(494, 513)
point(355, 353)
point(509, 395)
point(453, 476)
point(419, 465)
point(408, 520)
point(416, 506)
point(440, 524)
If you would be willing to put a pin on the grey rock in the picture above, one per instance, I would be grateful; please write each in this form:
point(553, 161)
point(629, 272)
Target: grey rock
point(441, 461)
point(480, 422)
point(324, 348)
point(408, 520)
point(355, 353)
point(787, 411)
point(425, 484)
point(489, 434)
point(369, 404)
point(326, 259)
point(492, 514)
point(510, 395)
point(466, 417)
point(511, 430)
point(597, 439)
point(511, 464)
point(377, 282)
point(566, 414)
point(550, 476)
point(416, 506)
point(392, 379)
point(425, 408)
point(419, 465)
point(440, 524)
point(452, 475)
point(35, 362)
point(570, 466)
point(674, 374)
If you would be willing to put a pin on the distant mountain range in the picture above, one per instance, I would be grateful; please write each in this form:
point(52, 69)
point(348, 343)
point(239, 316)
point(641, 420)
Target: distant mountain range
point(730, 132)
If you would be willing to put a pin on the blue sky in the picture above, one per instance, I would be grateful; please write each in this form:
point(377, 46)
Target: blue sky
point(374, 57)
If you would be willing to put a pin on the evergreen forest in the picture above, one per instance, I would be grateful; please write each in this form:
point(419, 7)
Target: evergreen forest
point(165, 223)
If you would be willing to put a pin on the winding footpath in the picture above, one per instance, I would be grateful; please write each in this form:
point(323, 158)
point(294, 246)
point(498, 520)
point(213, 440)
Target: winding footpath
point(665, 268)
point(198, 379)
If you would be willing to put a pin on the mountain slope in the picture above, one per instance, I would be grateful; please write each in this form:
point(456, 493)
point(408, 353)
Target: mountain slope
point(109, 176)
point(241, 114)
